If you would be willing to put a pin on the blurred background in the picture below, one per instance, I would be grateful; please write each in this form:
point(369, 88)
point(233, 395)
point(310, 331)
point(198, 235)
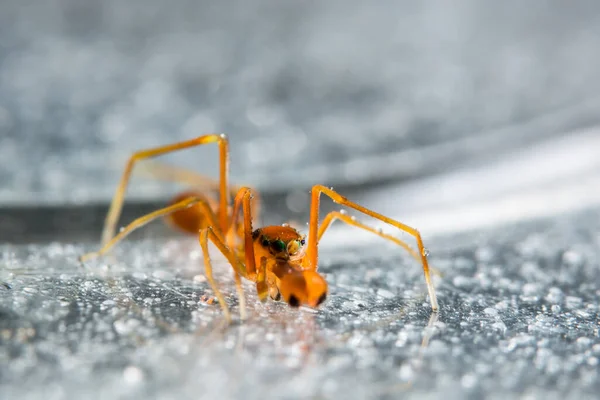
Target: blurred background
point(449, 116)
point(491, 98)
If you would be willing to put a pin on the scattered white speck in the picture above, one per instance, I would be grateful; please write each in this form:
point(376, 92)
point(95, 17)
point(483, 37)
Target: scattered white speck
point(584, 343)
point(406, 372)
point(555, 295)
point(463, 282)
point(468, 381)
point(491, 312)
point(572, 258)
point(531, 289)
point(499, 326)
point(139, 275)
point(573, 302)
point(163, 275)
point(484, 254)
point(385, 293)
point(133, 375)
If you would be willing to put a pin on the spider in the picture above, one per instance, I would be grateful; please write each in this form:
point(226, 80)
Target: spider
point(281, 261)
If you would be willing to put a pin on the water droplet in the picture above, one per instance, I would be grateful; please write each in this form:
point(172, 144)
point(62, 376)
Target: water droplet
point(125, 327)
point(554, 295)
point(425, 252)
point(583, 343)
point(385, 294)
point(163, 275)
point(406, 372)
point(469, 381)
point(484, 254)
point(139, 275)
point(491, 312)
point(133, 375)
point(499, 326)
point(531, 289)
point(573, 302)
point(463, 282)
point(571, 257)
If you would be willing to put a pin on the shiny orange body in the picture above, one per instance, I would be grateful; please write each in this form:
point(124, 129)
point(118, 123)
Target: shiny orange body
point(189, 220)
point(281, 261)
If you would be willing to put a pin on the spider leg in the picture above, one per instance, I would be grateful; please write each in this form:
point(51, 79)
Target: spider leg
point(116, 206)
point(210, 233)
point(169, 173)
point(262, 289)
point(311, 259)
point(166, 172)
point(145, 219)
point(337, 215)
point(243, 200)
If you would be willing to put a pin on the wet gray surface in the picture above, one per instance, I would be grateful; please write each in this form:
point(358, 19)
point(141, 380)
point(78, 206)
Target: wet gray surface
point(481, 120)
point(519, 317)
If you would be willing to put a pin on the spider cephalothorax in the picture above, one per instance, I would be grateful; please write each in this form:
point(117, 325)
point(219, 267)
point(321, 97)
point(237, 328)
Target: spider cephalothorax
point(279, 251)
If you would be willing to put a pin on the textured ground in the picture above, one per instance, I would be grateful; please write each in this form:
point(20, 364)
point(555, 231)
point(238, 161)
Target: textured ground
point(519, 314)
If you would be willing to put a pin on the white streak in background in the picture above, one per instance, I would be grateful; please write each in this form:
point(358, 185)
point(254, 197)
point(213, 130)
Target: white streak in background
point(554, 177)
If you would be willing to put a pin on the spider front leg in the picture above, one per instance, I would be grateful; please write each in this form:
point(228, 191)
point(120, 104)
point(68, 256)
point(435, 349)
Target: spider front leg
point(214, 234)
point(312, 255)
point(243, 201)
point(145, 219)
point(209, 233)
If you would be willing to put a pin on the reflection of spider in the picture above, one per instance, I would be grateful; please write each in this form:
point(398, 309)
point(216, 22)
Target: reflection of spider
point(278, 259)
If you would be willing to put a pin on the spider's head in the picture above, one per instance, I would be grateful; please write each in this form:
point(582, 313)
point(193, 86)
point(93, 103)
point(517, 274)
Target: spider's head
point(280, 242)
point(300, 287)
point(284, 247)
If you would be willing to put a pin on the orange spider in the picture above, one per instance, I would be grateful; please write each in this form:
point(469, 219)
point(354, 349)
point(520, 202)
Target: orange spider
point(281, 262)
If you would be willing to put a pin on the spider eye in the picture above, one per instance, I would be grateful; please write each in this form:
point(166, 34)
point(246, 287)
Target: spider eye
point(265, 242)
point(302, 242)
point(279, 245)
